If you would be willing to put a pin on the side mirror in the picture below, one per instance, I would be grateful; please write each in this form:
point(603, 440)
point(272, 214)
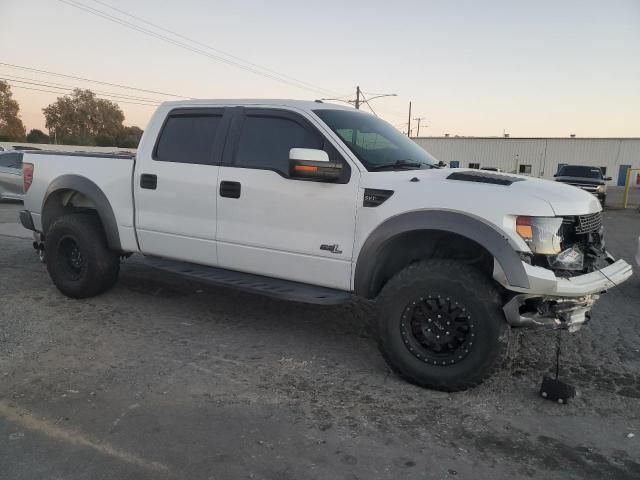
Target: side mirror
point(607, 179)
point(312, 164)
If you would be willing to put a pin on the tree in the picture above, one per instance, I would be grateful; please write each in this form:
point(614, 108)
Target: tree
point(37, 136)
point(11, 126)
point(129, 137)
point(80, 118)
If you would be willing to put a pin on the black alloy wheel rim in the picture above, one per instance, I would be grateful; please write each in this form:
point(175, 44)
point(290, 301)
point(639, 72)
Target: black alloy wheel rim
point(437, 330)
point(71, 257)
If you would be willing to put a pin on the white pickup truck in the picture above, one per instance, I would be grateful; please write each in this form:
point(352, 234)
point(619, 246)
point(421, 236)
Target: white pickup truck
point(314, 202)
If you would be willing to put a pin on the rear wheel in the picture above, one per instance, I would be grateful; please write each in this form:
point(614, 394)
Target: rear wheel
point(78, 258)
point(441, 325)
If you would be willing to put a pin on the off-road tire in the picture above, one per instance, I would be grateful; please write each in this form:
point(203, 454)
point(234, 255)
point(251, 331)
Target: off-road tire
point(98, 267)
point(463, 290)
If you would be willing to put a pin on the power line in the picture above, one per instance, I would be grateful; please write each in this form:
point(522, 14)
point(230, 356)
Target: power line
point(28, 80)
point(58, 93)
point(368, 104)
point(209, 47)
point(98, 82)
point(357, 101)
point(107, 16)
point(65, 89)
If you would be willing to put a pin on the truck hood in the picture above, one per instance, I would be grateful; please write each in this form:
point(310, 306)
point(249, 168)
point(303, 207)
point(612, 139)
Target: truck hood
point(484, 197)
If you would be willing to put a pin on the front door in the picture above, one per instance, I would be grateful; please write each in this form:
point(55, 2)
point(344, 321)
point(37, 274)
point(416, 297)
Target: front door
point(175, 186)
point(274, 225)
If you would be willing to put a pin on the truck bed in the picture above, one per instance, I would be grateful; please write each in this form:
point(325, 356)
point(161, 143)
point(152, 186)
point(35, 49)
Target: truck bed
point(111, 173)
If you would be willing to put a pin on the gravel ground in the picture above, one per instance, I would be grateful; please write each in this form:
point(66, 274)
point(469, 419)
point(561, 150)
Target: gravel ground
point(166, 378)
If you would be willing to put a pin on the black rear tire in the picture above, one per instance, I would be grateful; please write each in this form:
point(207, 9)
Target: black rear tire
point(78, 258)
point(441, 325)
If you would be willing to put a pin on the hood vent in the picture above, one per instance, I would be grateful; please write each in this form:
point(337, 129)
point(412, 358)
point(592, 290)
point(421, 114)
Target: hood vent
point(484, 177)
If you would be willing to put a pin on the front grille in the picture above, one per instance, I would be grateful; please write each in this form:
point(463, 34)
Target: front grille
point(591, 223)
point(589, 187)
point(583, 229)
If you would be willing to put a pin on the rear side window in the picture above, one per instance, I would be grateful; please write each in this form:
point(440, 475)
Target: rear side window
point(11, 160)
point(188, 138)
point(265, 142)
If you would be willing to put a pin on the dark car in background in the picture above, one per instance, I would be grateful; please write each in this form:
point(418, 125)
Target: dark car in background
point(11, 175)
point(585, 177)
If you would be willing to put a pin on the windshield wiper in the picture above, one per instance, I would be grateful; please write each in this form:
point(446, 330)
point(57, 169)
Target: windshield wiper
point(399, 164)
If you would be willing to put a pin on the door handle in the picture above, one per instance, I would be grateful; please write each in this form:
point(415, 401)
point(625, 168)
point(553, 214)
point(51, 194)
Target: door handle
point(149, 181)
point(230, 189)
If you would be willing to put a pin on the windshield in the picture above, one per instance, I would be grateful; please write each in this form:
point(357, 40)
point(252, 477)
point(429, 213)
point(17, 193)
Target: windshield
point(376, 143)
point(578, 171)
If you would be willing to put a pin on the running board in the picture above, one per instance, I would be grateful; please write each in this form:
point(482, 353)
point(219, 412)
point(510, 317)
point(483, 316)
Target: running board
point(248, 282)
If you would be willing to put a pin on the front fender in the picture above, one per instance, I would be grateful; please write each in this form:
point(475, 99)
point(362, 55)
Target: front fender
point(497, 243)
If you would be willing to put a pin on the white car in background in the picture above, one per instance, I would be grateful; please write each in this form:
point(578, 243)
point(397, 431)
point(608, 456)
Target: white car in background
point(11, 184)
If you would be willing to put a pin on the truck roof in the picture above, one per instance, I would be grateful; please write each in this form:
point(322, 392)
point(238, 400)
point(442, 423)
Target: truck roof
point(298, 104)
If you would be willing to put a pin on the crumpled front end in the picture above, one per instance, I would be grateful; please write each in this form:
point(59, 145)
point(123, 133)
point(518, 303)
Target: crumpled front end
point(563, 287)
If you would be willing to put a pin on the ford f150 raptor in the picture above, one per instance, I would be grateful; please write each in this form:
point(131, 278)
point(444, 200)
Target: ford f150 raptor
point(314, 202)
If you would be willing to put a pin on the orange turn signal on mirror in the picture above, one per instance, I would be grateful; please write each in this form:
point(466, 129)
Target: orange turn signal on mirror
point(523, 227)
point(305, 168)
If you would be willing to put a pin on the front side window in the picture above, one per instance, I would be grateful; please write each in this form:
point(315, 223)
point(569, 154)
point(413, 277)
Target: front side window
point(11, 160)
point(377, 144)
point(265, 141)
point(188, 138)
point(474, 165)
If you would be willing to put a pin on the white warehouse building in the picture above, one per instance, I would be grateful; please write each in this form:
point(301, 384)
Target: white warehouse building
point(540, 157)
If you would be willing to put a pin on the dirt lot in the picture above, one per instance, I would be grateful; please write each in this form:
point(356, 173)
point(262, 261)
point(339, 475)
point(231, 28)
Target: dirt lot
point(165, 378)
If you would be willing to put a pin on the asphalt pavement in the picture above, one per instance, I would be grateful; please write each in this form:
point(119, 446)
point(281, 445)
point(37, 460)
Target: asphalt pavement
point(165, 378)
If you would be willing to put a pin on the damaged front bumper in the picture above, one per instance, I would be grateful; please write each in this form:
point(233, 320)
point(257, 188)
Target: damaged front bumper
point(556, 312)
point(561, 302)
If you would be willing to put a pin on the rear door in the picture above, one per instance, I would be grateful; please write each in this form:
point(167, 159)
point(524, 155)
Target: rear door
point(275, 225)
point(175, 187)
point(11, 175)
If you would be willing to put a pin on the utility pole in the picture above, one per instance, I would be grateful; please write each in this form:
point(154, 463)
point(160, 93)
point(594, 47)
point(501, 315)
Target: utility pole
point(360, 99)
point(409, 127)
point(418, 120)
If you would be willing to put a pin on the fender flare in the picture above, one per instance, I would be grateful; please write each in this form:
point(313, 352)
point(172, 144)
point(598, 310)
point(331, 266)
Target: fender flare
point(96, 195)
point(471, 227)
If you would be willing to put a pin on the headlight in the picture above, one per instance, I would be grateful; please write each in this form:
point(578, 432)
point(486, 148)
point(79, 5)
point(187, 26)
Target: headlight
point(570, 259)
point(601, 188)
point(540, 233)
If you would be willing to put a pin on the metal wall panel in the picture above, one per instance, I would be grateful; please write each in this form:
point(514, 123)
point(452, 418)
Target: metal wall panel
point(542, 154)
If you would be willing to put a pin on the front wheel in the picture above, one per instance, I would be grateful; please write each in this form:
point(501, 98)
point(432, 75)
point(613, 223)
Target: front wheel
point(441, 325)
point(78, 258)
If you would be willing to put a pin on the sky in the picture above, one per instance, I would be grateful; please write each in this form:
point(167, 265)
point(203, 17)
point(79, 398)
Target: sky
point(532, 69)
